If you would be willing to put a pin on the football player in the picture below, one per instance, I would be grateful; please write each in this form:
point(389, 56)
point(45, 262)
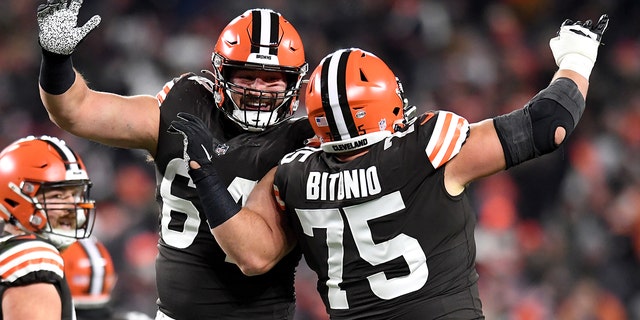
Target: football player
point(380, 209)
point(247, 102)
point(44, 206)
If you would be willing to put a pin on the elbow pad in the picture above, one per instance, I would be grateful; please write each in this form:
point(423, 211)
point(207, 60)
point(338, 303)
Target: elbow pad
point(529, 132)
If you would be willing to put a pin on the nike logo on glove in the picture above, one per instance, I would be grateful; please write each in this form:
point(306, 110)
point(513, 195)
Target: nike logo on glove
point(206, 152)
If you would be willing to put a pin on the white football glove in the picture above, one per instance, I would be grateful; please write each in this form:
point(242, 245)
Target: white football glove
point(57, 23)
point(576, 46)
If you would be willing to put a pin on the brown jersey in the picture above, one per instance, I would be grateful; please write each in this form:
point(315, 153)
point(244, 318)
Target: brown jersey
point(383, 235)
point(193, 276)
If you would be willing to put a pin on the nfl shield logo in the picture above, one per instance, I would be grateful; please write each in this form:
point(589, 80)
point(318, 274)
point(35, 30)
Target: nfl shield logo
point(221, 149)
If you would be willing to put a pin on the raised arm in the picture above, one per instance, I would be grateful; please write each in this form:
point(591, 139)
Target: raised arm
point(128, 122)
point(544, 123)
point(255, 236)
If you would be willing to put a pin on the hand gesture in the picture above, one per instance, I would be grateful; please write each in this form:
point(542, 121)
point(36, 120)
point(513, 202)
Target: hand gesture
point(57, 23)
point(576, 46)
point(198, 140)
point(586, 29)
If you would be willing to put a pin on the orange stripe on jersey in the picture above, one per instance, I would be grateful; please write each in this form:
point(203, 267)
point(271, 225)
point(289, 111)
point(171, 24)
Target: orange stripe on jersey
point(427, 117)
point(30, 262)
point(24, 252)
point(276, 193)
point(45, 251)
point(163, 93)
point(455, 137)
point(449, 133)
point(441, 137)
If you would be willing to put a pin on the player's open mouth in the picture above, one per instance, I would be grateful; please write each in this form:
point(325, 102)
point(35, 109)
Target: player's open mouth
point(65, 223)
point(256, 106)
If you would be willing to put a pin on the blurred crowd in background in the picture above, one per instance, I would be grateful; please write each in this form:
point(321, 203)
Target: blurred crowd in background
point(557, 238)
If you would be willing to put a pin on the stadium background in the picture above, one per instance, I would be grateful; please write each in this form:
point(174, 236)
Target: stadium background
point(558, 238)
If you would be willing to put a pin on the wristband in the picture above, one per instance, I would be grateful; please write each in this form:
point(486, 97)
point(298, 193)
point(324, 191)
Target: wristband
point(578, 63)
point(217, 203)
point(56, 73)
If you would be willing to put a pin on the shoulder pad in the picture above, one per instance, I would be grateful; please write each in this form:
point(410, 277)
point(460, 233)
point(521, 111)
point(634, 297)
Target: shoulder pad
point(30, 256)
point(162, 94)
point(205, 82)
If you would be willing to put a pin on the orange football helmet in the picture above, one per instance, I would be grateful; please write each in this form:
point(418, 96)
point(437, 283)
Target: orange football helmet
point(90, 274)
point(33, 171)
point(354, 100)
point(259, 39)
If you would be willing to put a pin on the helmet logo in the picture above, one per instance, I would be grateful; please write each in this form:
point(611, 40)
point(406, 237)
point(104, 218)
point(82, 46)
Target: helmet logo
point(360, 114)
point(221, 149)
point(382, 124)
point(260, 58)
point(263, 56)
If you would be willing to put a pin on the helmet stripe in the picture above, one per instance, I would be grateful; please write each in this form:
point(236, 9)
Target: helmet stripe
point(71, 161)
point(274, 31)
point(68, 156)
point(96, 284)
point(265, 27)
point(334, 93)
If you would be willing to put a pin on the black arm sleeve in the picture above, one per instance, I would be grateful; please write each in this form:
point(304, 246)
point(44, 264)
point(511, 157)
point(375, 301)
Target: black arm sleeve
point(529, 132)
point(218, 205)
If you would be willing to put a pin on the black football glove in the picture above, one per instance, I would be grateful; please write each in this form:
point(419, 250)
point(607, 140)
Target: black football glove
point(576, 46)
point(57, 24)
point(198, 140)
point(217, 204)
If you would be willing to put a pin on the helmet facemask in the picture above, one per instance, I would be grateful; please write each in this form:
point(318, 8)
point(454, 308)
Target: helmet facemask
point(409, 112)
point(62, 213)
point(253, 109)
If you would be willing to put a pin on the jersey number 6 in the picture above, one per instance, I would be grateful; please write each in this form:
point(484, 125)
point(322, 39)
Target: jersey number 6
point(180, 217)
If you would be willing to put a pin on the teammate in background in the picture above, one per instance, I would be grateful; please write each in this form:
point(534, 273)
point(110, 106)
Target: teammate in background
point(44, 206)
point(91, 276)
point(380, 210)
point(246, 102)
